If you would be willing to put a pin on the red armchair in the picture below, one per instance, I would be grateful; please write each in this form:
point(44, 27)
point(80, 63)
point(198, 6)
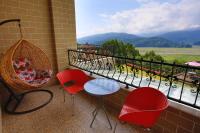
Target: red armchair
point(72, 81)
point(143, 107)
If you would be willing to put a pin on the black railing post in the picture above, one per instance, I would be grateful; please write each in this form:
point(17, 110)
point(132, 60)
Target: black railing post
point(103, 64)
point(171, 79)
point(198, 91)
point(94, 62)
point(114, 65)
point(133, 69)
point(160, 74)
point(126, 71)
point(108, 65)
point(186, 70)
point(141, 71)
point(120, 70)
point(91, 62)
point(98, 64)
point(82, 61)
point(150, 72)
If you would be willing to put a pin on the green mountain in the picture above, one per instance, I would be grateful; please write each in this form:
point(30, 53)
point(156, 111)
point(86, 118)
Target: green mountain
point(129, 38)
point(185, 36)
point(197, 43)
point(98, 39)
point(157, 42)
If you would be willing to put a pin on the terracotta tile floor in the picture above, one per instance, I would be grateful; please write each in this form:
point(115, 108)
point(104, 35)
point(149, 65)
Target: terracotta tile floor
point(56, 117)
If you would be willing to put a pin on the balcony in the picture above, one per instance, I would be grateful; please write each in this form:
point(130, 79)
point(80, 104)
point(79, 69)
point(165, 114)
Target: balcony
point(50, 25)
point(57, 118)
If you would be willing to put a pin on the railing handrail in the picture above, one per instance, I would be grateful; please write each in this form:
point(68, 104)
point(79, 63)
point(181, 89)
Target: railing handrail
point(127, 58)
point(98, 64)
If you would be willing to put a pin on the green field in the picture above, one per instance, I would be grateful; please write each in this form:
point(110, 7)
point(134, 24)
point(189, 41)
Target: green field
point(171, 54)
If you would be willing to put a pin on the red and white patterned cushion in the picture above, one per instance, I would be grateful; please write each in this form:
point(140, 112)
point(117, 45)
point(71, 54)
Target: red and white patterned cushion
point(28, 74)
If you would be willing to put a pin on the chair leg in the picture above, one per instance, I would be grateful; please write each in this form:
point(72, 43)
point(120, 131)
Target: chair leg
point(120, 122)
point(64, 95)
point(73, 102)
point(91, 100)
point(115, 127)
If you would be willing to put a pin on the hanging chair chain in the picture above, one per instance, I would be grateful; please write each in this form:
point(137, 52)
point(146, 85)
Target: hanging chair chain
point(20, 29)
point(13, 20)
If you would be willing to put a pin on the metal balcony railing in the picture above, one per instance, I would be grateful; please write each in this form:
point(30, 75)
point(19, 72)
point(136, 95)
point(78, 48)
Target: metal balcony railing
point(180, 83)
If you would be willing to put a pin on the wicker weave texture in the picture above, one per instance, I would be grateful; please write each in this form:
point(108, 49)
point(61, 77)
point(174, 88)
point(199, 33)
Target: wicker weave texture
point(23, 49)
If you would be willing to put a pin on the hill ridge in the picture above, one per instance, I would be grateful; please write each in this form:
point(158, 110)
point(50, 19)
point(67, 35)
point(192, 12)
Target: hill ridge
point(136, 40)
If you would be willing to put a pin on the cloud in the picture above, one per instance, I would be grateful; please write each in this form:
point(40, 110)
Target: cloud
point(103, 15)
point(144, 1)
point(153, 17)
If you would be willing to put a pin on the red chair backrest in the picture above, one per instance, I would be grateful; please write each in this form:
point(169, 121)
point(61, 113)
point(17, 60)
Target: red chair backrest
point(147, 98)
point(72, 74)
point(143, 106)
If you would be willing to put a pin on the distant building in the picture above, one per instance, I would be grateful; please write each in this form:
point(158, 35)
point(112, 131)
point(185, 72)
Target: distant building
point(88, 47)
point(93, 48)
point(193, 63)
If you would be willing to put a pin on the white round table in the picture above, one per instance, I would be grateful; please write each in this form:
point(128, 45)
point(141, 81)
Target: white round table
point(101, 87)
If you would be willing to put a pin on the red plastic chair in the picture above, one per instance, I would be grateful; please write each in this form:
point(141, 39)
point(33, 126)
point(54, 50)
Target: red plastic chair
point(72, 81)
point(143, 107)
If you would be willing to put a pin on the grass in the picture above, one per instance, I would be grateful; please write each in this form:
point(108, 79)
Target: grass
point(180, 54)
point(173, 51)
point(181, 58)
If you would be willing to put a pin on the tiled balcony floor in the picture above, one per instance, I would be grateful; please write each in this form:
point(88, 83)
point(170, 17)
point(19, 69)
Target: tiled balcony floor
point(56, 117)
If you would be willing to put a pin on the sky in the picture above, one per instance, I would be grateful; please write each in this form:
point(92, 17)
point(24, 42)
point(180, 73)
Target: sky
point(140, 17)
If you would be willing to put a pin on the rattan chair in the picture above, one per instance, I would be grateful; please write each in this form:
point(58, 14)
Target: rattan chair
point(23, 49)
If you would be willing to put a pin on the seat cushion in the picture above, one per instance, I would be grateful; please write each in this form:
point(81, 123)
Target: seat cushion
point(27, 73)
point(73, 89)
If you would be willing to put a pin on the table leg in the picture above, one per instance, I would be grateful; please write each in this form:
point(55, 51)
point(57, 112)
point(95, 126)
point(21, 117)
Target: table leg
point(94, 116)
point(93, 112)
point(104, 109)
point(99, 106)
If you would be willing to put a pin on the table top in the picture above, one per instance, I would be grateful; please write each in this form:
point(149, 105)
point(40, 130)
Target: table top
point(101, 86)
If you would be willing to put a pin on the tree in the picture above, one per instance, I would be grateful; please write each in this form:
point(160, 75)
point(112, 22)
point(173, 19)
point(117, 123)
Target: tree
point(151, 55)
point(119, 48)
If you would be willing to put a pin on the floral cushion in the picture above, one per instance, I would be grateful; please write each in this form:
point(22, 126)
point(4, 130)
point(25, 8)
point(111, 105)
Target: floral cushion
point(23, 69)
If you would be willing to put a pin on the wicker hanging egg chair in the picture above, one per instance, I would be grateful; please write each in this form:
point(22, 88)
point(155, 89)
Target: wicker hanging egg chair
point(25, 66)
